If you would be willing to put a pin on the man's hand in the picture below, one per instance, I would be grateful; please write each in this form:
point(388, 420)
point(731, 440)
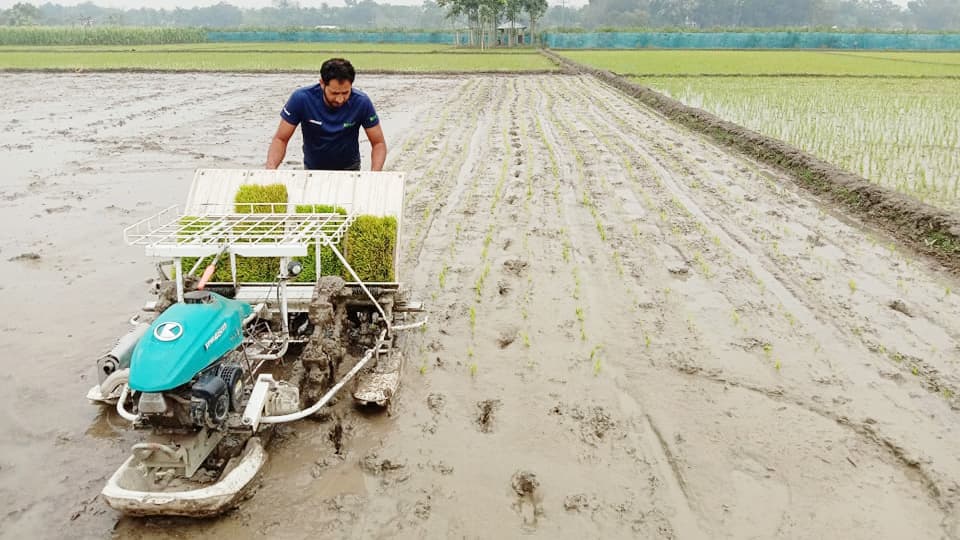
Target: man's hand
point(278, 146)
point(378, 147)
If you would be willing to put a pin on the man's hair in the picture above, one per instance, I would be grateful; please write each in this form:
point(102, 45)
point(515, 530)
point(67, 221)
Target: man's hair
point(337, 69)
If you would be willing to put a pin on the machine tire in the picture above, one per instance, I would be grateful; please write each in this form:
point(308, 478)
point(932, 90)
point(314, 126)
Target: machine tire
point(233, 376)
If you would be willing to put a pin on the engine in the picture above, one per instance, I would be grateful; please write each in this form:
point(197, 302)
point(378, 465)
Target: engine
point(185, 371)
point(204, 402)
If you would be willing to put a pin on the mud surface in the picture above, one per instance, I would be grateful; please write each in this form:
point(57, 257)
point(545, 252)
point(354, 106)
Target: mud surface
point(633, 332)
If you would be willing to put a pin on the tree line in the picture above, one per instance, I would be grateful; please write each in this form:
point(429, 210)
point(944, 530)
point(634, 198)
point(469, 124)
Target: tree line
point(478, 17)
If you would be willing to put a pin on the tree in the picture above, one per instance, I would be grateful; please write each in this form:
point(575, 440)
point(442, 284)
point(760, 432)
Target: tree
point(935, 14)
point(535, 10)
point(22, 14)
point(512, 10)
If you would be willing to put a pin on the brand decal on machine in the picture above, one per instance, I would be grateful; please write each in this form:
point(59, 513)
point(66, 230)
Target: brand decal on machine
point(216, 336)
point(168, 331)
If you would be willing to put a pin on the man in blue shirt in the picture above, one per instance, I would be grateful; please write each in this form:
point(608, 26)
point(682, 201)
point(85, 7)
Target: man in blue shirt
point(330, 115)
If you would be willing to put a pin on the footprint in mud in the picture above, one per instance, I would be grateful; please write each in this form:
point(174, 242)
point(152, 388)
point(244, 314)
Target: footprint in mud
point(528, 503)
point(25, 257)
point(507, 337)
point(435, 403)
point(58, 209)
point(390, 471)
point(485, 417)
point(580, 502)
point(515, 267)
point(596, 424)
point(336, 437)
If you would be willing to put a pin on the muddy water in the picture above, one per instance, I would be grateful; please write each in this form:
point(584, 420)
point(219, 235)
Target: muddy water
point(633, 333)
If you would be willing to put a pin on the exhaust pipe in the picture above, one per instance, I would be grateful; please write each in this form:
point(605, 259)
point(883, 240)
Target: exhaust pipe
point(119, 356)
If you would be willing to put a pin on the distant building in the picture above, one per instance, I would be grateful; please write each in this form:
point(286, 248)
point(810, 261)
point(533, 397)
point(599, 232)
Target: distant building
point(512, 34)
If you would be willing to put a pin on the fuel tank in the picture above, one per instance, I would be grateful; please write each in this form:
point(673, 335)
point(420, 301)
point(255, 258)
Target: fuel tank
point(185, 339)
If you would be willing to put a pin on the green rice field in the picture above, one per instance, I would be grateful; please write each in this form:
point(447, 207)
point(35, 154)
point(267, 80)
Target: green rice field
point(265, 57)
point(901, 133)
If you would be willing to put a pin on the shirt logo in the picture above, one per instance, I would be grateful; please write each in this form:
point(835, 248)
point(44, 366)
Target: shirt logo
point(372, 118)
point(349, 124)
point(168, 331)
point(317, 122)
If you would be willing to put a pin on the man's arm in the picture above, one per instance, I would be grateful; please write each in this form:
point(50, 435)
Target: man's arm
point(378, 147)
point(278, 146)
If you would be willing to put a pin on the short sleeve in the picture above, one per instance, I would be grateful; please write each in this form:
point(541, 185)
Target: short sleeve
point(369, 116)
point(293, 110)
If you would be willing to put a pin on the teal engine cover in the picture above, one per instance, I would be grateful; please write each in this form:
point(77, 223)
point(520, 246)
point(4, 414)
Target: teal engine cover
point(185, 339)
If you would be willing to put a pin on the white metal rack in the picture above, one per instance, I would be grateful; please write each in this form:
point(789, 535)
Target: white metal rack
point(240, 229)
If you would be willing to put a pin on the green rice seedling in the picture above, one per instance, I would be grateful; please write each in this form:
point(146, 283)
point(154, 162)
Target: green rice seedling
point(526, 339)
point(576, 283)
point(473, 369)
point(443, 276)
point(853, 286)
point(329, 263)
point(602, 231)
point(736, 318)
point(767, 349)
point(258, 199)
point(370, 243)
point(473, 318)
point(617, 264)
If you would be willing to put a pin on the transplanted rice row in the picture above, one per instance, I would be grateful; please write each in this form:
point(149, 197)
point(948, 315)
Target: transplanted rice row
point(440, 170)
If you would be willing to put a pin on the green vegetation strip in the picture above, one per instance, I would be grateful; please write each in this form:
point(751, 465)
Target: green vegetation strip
point(804, 63)
point(52, 35)
point(173, 60)
point(923, 227)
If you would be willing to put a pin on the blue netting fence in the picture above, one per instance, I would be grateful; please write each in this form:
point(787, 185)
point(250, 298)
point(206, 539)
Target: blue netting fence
point(753, 40)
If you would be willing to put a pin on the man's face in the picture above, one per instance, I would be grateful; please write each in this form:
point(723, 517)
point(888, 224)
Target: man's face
point(336, 92)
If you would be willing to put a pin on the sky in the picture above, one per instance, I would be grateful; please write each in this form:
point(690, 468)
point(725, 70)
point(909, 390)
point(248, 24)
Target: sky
point(171, 4)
